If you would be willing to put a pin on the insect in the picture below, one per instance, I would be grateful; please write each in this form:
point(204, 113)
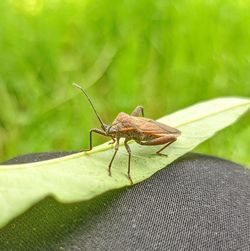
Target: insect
point(143, 131)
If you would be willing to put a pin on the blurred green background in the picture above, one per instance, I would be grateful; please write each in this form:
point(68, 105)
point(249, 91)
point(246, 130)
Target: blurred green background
point(164, 55)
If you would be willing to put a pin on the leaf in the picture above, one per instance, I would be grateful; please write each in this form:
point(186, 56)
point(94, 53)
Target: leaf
point(82, 176)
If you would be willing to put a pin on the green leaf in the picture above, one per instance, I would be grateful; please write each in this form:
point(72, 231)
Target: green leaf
point(82, 176)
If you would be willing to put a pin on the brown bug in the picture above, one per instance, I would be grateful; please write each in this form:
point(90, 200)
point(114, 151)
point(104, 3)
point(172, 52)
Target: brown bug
point(142, 130)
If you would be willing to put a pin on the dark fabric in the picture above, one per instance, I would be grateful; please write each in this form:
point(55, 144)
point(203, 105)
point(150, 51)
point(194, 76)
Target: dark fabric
point(35, 157)
point(197, 203)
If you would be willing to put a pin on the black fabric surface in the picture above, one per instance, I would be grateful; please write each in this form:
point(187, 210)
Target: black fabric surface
point(197, 203)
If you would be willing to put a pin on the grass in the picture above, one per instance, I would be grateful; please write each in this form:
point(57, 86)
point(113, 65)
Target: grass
point(164, 55)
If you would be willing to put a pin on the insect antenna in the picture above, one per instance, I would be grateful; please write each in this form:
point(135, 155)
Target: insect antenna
point(98, 116)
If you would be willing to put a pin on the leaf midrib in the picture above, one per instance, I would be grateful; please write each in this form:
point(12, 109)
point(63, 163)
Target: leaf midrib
point(212, 114)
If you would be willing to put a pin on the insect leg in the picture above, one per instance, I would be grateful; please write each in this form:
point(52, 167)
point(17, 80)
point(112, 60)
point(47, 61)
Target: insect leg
point(167, 139)
point(116, 149)
point(137, 111)
point(113, 141)
point(168, 144)
point(90, 137)
point(129, 159)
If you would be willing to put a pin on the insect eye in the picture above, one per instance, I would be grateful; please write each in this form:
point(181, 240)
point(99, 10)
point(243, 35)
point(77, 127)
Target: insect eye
point(105, 127)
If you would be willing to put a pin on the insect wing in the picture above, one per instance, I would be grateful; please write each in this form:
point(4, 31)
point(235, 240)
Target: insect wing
point(152, 127)
point(126, 123)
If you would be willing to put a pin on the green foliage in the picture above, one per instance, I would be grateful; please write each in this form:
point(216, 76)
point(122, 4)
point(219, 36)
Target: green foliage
point(161, 54)
point(83, 176)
